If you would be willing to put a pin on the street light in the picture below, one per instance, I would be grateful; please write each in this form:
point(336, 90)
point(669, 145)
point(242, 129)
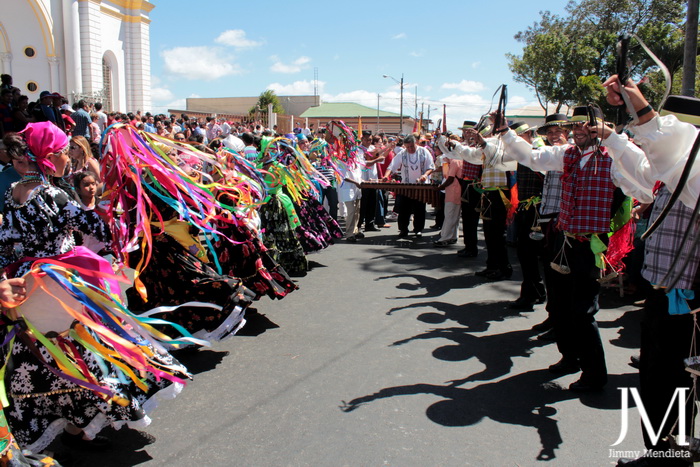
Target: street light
point(400, 83)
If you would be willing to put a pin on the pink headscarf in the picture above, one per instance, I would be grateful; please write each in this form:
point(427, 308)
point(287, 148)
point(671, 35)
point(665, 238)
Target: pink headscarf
point(43, 139)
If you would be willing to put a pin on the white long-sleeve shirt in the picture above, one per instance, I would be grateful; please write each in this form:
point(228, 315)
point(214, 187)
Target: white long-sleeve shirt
point(552, 158)
point(667, 142)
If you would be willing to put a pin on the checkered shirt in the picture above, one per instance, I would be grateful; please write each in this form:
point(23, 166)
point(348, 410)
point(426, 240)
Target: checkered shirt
point(470, 171)
point(551, 193)
point(494, 178)
point(587, 192)
point(666, 241)
point(529, 183)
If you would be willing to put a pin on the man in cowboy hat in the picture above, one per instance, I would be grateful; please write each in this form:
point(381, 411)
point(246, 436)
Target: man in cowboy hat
point(494, 191)
point(555, 132)
point(529, 249)
point(667, 328)
point(470, 174)
point(584, 217)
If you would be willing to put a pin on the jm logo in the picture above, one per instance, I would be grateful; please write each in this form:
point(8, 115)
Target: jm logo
point(679, 395)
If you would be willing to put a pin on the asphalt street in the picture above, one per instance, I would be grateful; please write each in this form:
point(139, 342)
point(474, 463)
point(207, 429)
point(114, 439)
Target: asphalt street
point(391, 353)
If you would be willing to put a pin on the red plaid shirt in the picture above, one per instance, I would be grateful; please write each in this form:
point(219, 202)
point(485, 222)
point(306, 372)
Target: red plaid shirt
point(470, 171)
point(587, 192)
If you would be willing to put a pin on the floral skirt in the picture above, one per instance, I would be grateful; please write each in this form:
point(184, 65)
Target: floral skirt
point(42, 403)
point(318, 229)
point(174, 276)
point(280, 240)
point(248, 258)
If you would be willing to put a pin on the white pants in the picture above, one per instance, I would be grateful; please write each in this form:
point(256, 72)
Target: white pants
point(352, 217)
point(450, 226)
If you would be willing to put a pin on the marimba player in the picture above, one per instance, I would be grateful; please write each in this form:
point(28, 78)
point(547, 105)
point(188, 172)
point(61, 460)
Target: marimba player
point(414, 164)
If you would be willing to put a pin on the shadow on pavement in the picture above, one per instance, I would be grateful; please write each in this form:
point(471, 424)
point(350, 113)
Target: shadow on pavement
point(495, 351)
point(433, 287)
point(629, 332)
point(525, 399)
point(256, 324)
point(474, 316)
point(200, 360)
point(126, 450)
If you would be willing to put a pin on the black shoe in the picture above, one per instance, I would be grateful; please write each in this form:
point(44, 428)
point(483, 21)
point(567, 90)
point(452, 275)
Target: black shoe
point(498, 275)
point(371, 228)
point(586, 386)
point(549, 335)
point(359, 235)
point(545, 325)
point(351, 239)
point(485, 272)
point(403, 234)
point(100, 443)
point(464, 253)
point(634, 361)
point(565, 367)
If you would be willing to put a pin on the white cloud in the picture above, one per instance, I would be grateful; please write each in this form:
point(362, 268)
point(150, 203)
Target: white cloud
point(465, 86)
point(476, 64)
point(295, 67)
point(236, 38)
point(199, 63)
point(401, 35)
point(416, 54)
point(177, 104)
point(159, 94)
point(359, 96)
point(297, 88)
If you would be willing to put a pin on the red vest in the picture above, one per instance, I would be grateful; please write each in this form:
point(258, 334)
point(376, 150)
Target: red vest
point(470, 171)
point(587, 192)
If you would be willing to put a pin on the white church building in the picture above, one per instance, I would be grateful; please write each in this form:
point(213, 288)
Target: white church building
point(97, 50)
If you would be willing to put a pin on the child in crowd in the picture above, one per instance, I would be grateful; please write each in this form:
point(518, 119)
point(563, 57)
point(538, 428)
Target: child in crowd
point(86, 188)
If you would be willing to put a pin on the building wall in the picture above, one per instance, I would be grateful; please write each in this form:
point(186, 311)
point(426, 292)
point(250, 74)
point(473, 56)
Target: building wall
point(71, 39)
point(292, 105)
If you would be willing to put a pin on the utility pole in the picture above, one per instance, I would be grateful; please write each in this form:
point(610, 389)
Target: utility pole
point(691, 45)
point(377, 130)
point(400, 83)
point(415, 112)
point(401, 106)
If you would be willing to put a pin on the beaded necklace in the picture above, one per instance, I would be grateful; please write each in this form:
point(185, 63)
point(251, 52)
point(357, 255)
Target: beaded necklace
point(31, 176)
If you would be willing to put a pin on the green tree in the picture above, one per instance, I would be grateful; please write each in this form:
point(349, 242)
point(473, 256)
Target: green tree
point(266, 98)
point(564, 60)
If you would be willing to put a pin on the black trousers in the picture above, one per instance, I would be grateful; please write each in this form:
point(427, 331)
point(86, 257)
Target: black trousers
point(408, 207)
point(575, 297)
point(494, 222)
point(331, 193)
point(440, 210)
point(368, 206)
point(666, 341)
point(529, 255)
point(470, 218)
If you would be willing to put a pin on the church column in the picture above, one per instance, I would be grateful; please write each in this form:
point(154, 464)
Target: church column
point(71, 26)
point(53, 74)
point(6, 59)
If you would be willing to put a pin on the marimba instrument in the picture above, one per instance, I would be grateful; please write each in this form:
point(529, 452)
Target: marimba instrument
point(422, 192)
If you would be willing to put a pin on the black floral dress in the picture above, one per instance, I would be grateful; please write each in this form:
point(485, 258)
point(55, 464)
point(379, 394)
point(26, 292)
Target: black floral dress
point(42, 403)
point(247, 257)
point(318, 229)
point(281, 241)
point(175, 276)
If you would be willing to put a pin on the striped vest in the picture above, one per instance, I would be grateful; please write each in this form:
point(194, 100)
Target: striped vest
point(587, 193)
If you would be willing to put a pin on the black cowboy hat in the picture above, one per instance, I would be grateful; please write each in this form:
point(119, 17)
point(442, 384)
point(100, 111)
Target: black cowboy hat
point(560, 120)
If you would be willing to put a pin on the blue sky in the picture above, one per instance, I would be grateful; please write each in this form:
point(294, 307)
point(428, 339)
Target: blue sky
point(452, 54)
